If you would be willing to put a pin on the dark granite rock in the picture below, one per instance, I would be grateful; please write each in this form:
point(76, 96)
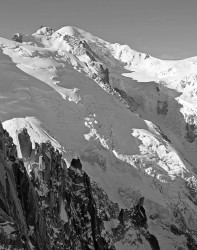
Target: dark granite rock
point(17, 38)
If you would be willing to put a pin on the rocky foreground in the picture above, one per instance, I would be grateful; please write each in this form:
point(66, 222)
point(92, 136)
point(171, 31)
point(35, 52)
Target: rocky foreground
point(45, 205)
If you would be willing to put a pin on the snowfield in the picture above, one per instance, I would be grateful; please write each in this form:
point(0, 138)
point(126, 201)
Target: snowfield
point(133, 126)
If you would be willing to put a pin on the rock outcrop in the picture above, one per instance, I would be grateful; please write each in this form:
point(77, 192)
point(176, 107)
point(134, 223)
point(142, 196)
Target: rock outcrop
point(22, 224)
point(18, 38)
point(44, 205)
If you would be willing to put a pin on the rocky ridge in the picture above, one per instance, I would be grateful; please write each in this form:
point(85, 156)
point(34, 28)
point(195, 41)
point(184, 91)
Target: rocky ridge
point(46, 205)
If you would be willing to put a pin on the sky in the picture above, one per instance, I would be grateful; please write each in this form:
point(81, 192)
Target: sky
point(163, 28)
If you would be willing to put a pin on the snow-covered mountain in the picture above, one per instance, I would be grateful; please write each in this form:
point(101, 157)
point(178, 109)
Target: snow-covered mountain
point(129, 117)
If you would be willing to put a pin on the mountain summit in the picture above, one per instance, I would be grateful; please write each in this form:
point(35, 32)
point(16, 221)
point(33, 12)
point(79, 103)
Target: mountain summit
point(98, 145)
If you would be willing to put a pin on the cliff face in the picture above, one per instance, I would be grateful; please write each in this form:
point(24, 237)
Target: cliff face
point(65, 198)
point(22, 222)
point(44, 205)
point(52, 207)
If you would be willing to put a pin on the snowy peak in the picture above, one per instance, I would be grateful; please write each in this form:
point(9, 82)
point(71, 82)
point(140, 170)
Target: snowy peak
point(130, 118)
point(78, 33)
point(68, 31)
point(44, 31)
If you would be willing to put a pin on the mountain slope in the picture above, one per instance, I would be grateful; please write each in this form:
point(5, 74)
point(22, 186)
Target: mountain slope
point(132, 135)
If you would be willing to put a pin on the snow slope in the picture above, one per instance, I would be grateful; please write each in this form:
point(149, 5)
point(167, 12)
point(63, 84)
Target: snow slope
point(134, 132)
